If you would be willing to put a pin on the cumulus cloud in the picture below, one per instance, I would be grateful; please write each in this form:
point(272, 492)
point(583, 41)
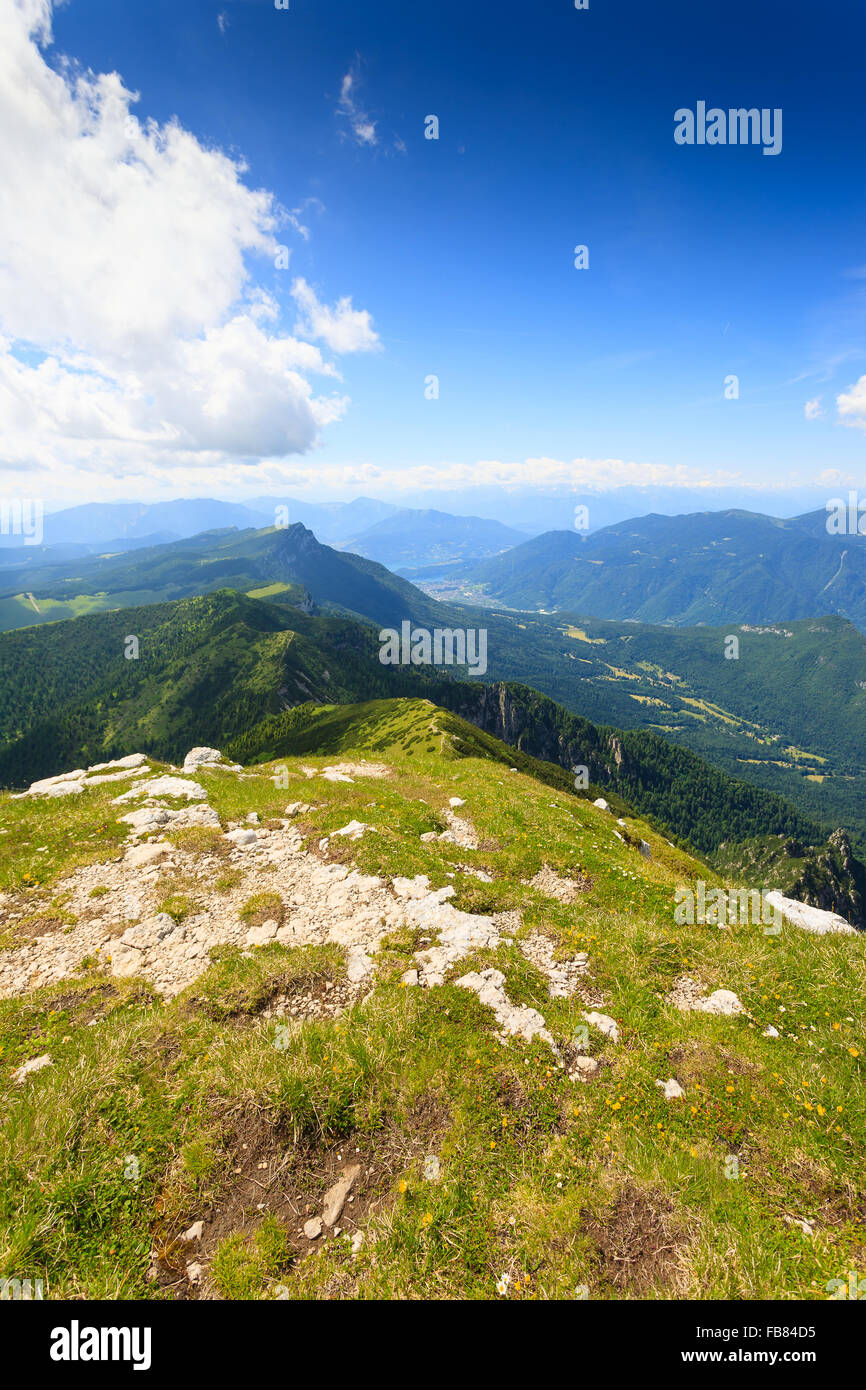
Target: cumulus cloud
point(851, 405)
point(813, 410)
point(363, 128)
point(129, 317)
point(343, 328)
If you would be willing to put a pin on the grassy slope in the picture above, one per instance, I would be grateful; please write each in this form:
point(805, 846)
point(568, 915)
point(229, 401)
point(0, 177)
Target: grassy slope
point(562, 1186)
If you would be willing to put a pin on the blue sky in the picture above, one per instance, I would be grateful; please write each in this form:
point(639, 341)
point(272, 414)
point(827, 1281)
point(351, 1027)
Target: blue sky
point(556, 128)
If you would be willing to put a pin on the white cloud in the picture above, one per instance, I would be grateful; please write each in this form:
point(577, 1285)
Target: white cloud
point(536, 474)
point(222, 21)
point(362, 126)
point(851, 405)
point(131, 329)
point(813, 410)
point(343, 328)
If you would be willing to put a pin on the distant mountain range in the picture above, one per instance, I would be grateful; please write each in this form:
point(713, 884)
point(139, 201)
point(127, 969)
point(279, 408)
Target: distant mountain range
point(377, 530)
point(707, 567)
point(789, 715)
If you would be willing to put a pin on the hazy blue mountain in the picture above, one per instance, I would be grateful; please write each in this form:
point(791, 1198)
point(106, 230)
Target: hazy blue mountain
point(333, 522)
point(111, 524)
point(409, 537)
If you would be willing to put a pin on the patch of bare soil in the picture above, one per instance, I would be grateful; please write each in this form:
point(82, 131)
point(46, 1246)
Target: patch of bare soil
point(638, 1243)
point(265, 1172)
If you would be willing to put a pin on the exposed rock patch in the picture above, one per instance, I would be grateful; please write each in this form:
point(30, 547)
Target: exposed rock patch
point(562, 976)
point(564, 890)
point(689, 996)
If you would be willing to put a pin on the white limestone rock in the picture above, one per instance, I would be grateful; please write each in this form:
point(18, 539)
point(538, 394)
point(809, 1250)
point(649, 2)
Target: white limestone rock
point(207, 757)
point(604, 1024)
point(35, 1064)
point(811, 919)
point(672, 1089)
point(489, 985)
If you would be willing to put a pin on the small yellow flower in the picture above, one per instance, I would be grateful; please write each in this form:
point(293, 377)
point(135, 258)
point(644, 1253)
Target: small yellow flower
point(402, 1185)
point(426, 1219)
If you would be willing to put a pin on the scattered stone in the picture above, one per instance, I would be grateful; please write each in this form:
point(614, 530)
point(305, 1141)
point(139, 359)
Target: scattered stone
point(688, 996)
point(354, 830)
point(601, 804)
point(65, 784)
point(460, 832)
point(357, 1242)
point(101, 778)
point(132, 760)
point(358, 964)
point(194, 1271)
point(207, 757)
point(313, 1228)
point(195, 1232)
point(770, 1032)
point(261, 935)
point(35, 1064)
point(585, 1068)
point(148, 934)
point(456, 801)
point(148, 853)
point(335, 1197)
point(604, 1024)
point(805, 1226)
point(431, 1168)
point(672, 1089)
point(241, 838)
